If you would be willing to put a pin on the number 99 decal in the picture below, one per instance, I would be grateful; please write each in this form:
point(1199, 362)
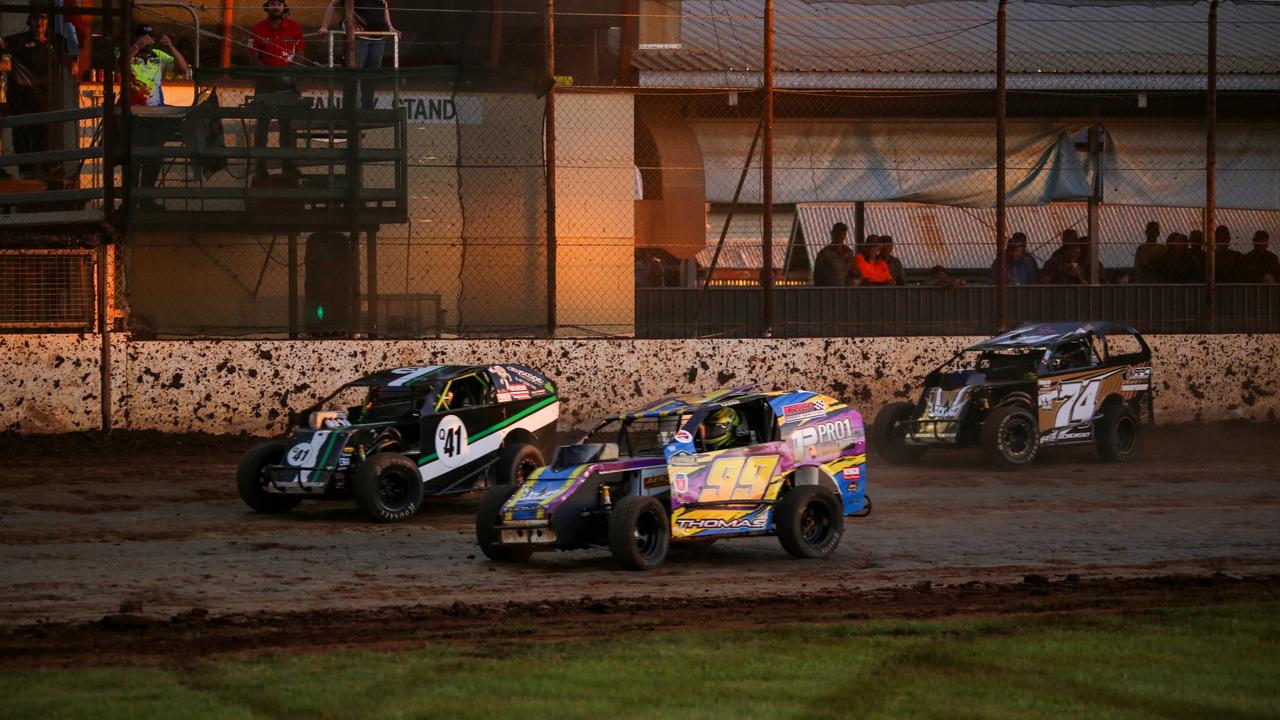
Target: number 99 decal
point(451, 441)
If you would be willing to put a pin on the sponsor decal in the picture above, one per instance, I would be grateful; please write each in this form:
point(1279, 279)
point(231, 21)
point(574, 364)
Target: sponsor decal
point(500, 374)
point(684, 437)
point(504, 396)
point(680, 481)
point(658, 481)
point(751, 523)
point(803, 410)
point(1139, 373)
point(853, 474)
point(806, 440)
point(528, 377)
point(1066, 435)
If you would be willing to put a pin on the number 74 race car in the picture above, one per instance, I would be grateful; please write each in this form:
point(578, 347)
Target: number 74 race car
point(691, 468)
point(1046, 384)
point(390, 438)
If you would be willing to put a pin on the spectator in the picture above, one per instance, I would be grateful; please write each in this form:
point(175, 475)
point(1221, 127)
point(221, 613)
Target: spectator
point(896, 271)
point(35, 55)
point(832, 266)
point(277, 43)
point(1020, 268)
point(648, 270)
point(371, 16)
point(1177, 263)
point(1260, 265)
point(871, 268)
point(938, 277)
point(147, 66)
point(1227, 262)
point(1065, 267)
point(1145, 257)
point(1121, 277)
point(6, 134)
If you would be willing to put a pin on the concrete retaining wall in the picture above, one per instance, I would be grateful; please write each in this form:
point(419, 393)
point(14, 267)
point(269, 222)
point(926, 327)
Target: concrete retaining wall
point(50, 382)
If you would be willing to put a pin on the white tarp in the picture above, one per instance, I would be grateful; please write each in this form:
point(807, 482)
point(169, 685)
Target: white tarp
point(953, 163)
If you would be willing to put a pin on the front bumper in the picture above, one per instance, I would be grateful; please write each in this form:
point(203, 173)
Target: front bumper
point(932, 432)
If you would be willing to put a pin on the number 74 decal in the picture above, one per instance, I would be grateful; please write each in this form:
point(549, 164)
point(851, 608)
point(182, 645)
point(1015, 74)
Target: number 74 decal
point(1078, 400)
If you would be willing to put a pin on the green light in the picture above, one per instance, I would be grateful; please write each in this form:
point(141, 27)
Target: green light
point(320, 311)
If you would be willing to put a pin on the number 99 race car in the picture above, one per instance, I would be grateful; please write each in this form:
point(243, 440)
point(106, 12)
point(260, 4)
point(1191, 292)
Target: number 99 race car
point(691, 468)
point(1041, 384)
point(390, 438)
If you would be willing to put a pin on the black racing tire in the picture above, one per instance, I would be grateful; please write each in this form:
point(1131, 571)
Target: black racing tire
point(809, 522)
point(515, 462)
point(889, 441)
point(250, 481)
point(488, 532)
point(1118, 433)
point(1010, 437)
point(639, 532)
point(388, 487)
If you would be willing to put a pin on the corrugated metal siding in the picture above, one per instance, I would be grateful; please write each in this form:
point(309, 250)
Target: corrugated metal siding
point(963, 238)
point(725, 35)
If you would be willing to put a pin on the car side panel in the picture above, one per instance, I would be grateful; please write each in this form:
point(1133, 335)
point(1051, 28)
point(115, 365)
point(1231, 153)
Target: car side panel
point(1068, 402)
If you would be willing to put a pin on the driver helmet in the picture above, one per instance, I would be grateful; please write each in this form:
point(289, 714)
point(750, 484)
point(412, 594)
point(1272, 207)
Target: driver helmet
point(719, 428)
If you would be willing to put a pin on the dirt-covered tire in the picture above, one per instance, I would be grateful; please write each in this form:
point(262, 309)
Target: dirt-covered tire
point(1118, 433)
point(888, 440)
point(388, 487)
point(515, 462)
point(809, 522)
point(1010, 437)
point(639, 532)
point(488, 532)
point(250, 480)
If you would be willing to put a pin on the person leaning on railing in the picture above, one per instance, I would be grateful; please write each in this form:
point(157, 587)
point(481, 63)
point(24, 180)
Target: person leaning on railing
point(896, 271)
point(1148, 254)
point(1020, 267)
point(1260, 265)
point(832, 267)
point(871, 268)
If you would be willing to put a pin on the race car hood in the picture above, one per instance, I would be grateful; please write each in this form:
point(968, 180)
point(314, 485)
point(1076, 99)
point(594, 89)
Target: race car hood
point(313, 455)
point(546, 489)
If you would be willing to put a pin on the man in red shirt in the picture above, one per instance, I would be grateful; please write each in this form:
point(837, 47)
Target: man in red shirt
point(277, 43)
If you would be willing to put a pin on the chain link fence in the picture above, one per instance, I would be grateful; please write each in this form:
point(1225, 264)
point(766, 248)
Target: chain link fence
point(679, 191)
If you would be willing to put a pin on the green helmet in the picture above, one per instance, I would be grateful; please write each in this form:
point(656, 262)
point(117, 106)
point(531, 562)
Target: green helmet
point(718, 429)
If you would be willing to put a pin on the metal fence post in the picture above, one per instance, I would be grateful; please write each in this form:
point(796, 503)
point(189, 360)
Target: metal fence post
point(1002, 318)
point(1211, 174)
point(766, 231)
point(551, 168)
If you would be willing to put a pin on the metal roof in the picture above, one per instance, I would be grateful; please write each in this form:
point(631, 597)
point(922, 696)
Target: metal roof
point(1052, 42)
point(963, 238)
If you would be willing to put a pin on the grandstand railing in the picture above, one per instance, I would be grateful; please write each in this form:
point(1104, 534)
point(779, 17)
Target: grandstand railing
point(968, 310)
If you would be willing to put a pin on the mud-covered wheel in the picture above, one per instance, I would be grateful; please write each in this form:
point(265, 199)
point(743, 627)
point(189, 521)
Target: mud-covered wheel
point(639, 532)
point(488, 529)
point(1010, 437)
point(515, 463)
point(888, 438)
point(1117, 433)
point(810, 522)
point(251, 480)
point(388, 487)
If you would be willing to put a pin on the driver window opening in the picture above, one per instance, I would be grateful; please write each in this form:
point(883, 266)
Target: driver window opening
point(464, 392)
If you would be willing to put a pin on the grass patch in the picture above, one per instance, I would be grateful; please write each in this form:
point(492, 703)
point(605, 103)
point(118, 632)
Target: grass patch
point(1189, 663)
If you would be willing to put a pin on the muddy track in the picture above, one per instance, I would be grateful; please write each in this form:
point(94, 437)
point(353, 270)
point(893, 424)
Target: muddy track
point(151, 523)
point(131, 638)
